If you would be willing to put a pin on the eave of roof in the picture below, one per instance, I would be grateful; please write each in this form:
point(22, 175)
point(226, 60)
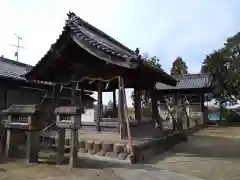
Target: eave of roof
point(188, 82)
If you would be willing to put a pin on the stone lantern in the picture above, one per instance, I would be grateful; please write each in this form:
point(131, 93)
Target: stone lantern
point(21, 120)
point(68, 117)
point(20, 117)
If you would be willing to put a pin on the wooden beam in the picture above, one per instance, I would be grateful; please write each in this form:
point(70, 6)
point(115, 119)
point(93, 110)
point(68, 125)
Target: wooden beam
point(202, 108)
point(137, 105)
point(114, 103)
point(74, 94)
point(99, 107)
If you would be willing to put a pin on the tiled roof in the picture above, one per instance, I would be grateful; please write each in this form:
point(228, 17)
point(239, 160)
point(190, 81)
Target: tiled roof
point(188, 81)
point(91, 38)
point(13, 69)
point(98, 39)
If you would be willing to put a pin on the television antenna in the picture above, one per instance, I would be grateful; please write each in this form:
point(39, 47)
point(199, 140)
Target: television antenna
point(17, 46)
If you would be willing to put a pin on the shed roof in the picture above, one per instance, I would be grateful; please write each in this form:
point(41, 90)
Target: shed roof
point(13, 69)
point(188, 82)
point(78, 33)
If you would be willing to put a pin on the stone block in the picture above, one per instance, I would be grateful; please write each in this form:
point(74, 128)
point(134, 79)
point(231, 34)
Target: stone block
point(89, 146)
point(81, 144)
point(97, 146)
point(67, 142)
point(119, 148)
point(107, 146)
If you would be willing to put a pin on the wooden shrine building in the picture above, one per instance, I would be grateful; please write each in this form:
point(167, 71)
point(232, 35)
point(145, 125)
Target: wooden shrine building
point(85, 57)
point(185, 101)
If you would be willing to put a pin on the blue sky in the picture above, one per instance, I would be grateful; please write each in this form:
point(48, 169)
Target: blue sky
point(187, 28)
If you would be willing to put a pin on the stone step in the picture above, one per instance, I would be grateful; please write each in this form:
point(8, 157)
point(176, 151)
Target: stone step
point(93, 147)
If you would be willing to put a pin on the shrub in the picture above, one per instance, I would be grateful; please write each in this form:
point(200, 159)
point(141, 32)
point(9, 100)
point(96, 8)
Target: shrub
point(231, 116)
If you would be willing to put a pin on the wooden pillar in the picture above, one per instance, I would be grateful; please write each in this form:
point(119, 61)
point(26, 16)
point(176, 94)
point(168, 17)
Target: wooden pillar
point(137, 105)
point(73, 150)
point(2, 129)
point(174, 121)
point(11, 144)
point(114, 104)
point(121, 114)
point(202, 120)
point(60, 145)
point(99, 107)
point(61, 132)
point(186, 113)
point(32, 146)
point(74, 134)
point(74, 94)
point(179, 113)
point(55, 95)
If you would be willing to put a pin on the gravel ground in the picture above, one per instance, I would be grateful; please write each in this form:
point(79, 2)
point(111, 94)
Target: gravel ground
point(211, 154)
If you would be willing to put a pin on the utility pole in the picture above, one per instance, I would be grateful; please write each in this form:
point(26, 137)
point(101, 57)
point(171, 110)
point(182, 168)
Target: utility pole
point(17, 46)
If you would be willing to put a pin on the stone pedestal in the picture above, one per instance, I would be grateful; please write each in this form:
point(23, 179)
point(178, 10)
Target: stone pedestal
point(60, 145)
point(73, 149)
point(32, 146)
point(12, 143)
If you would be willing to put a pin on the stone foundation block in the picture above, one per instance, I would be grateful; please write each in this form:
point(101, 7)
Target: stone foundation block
point(97, 146)
point(119, 148)
point(107, 146)
point(67, 142)
point(81, 144)
point(89, 146)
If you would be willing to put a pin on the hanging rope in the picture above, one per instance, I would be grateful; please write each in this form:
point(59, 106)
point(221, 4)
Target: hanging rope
point(91, 80)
